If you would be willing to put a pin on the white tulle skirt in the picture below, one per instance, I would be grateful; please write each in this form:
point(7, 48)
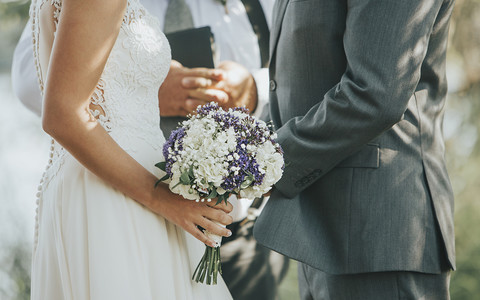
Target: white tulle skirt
point(96, 243)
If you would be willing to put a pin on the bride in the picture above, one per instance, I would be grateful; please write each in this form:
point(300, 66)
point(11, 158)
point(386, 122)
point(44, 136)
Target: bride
point(103, 231)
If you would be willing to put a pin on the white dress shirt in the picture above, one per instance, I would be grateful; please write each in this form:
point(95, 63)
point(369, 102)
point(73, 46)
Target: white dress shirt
point(235, 40)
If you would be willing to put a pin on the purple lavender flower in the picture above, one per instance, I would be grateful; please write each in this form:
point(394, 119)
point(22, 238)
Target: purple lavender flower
point(176, 138)
point(244, 169)
point(217, 153)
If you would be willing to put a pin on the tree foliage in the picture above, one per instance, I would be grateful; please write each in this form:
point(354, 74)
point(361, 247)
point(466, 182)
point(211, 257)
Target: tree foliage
point(13, 16)
point(463, 147)
point(465, 40)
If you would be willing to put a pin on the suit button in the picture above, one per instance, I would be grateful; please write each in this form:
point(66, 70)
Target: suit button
point(273, 85)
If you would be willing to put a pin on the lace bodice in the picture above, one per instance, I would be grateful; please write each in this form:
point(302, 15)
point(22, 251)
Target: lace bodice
point(125, 99)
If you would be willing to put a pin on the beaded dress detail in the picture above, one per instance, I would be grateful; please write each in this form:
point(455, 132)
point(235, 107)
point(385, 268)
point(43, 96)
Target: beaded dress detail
point(92, 241)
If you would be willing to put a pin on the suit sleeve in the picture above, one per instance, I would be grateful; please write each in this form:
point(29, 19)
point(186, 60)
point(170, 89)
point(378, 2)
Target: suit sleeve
point(385, 43)
point(24, 75)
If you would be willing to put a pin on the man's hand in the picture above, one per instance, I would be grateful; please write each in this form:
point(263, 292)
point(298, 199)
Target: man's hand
point(236, 83)
point(269, 193)
point(174, 98)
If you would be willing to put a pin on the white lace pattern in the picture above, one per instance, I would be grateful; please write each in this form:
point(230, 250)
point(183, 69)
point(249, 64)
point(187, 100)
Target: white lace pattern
point(137, 65)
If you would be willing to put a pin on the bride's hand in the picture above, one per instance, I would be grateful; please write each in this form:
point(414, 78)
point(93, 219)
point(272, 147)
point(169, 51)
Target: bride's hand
point(189, 214)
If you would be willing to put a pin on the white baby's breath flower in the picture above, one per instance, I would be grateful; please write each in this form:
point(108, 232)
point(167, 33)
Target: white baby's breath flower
point(249, 193)
point(211, 149)
point(220, 190)
point(202, 154)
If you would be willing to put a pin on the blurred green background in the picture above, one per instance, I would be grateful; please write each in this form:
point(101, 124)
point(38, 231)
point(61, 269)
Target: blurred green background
point(20, 166)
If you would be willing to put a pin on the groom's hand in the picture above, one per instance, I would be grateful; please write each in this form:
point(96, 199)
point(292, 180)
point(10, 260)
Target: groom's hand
point(237, 84)
point(174, 98)
point(269, 193)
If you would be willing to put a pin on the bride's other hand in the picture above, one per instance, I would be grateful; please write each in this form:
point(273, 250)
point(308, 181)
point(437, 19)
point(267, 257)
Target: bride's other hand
point(173, 96)
point(189, 214)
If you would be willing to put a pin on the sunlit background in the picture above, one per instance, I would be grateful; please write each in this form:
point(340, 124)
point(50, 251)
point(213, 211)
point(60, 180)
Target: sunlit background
point(24, 151)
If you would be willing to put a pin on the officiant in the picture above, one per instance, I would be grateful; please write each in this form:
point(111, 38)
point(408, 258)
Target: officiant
point(237, 76)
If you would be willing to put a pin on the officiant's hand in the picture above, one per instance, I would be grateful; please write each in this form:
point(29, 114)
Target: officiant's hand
point(237, 83)
point(174, 98)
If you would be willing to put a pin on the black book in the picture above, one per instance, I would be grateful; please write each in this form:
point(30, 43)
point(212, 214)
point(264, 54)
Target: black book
point(193, 47)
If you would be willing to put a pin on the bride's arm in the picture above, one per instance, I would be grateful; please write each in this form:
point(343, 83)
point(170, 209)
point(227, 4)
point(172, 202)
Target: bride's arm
point(86, 33)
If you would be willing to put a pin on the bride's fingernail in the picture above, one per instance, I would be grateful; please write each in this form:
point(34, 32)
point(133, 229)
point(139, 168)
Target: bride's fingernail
point(229, 233)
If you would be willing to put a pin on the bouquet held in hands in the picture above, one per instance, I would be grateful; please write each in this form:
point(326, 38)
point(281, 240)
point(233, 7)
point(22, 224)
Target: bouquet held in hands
point(217, 153)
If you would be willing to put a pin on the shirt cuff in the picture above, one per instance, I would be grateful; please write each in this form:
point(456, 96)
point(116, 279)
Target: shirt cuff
point(261, 80)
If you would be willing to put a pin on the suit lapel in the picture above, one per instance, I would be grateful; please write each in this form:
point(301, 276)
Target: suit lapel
point(278, 13)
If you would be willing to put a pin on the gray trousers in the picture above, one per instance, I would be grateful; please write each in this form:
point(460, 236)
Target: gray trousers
point(317, 285)
point(250, 270)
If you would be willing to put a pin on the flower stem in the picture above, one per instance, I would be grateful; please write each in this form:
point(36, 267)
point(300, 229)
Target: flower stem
point(219, 265)
point(216, 262)
point(209, 266)
point(199, 268)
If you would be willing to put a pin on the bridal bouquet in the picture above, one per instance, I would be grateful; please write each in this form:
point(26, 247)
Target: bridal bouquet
point(217, 153)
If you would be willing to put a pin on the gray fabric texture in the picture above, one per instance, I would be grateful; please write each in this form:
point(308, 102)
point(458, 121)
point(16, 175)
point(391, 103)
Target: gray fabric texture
point(357, 95)
point(250, 270)
point(178, 16)
point(397, 285)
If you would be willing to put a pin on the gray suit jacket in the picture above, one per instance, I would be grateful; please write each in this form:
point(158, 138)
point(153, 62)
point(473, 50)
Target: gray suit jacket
point(358, 90)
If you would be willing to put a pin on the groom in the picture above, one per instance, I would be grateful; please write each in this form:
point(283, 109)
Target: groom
point(357, 92)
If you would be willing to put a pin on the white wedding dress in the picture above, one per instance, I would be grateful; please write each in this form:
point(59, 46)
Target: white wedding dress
point(91, 241)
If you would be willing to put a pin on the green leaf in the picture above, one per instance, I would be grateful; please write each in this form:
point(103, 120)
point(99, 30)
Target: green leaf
point(190, 172)
point(223, 197)
point(220, 199)
point(161, 179)
point(212, 194)
point(184, 178)
point(164, 178)
point(248, 180)
point(179, 183)
point(161, 165)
